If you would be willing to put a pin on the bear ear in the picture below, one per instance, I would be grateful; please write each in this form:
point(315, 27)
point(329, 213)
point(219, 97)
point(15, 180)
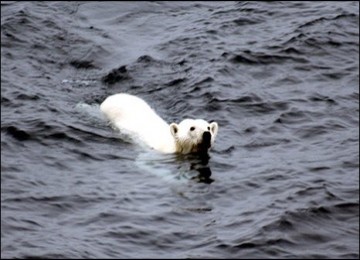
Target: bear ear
point(174, 129)
point(214, 128)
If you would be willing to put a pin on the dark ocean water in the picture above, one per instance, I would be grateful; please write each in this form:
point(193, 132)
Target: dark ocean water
point(280, 78)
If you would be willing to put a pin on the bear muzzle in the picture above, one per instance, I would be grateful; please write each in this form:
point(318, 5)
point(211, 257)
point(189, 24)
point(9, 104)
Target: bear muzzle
point(206, 140)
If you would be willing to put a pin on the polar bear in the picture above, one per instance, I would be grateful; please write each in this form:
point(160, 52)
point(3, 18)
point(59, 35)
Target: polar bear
point(132, 115)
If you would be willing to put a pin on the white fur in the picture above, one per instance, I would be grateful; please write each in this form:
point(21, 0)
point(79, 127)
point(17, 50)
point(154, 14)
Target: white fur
point(134, 116)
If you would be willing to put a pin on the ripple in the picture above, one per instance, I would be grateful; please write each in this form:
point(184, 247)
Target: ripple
point(251, 58)
point(17, 133)
point(116, 75)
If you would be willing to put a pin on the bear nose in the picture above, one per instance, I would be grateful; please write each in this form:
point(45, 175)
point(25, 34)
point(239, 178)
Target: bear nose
point(206, 137)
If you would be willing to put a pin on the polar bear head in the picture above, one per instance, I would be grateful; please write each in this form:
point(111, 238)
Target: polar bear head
point(194, 135)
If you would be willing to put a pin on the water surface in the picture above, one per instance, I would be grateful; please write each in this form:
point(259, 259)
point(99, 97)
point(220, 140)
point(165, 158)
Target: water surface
point(280, 78)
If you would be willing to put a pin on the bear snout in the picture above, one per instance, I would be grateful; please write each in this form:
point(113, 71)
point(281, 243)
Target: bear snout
point(206, 139)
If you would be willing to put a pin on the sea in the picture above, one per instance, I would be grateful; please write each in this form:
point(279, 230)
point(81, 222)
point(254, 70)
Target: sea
point(281, 79)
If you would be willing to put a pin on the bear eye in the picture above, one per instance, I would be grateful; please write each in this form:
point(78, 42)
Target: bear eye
point(192, 128)
point(209, 128)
